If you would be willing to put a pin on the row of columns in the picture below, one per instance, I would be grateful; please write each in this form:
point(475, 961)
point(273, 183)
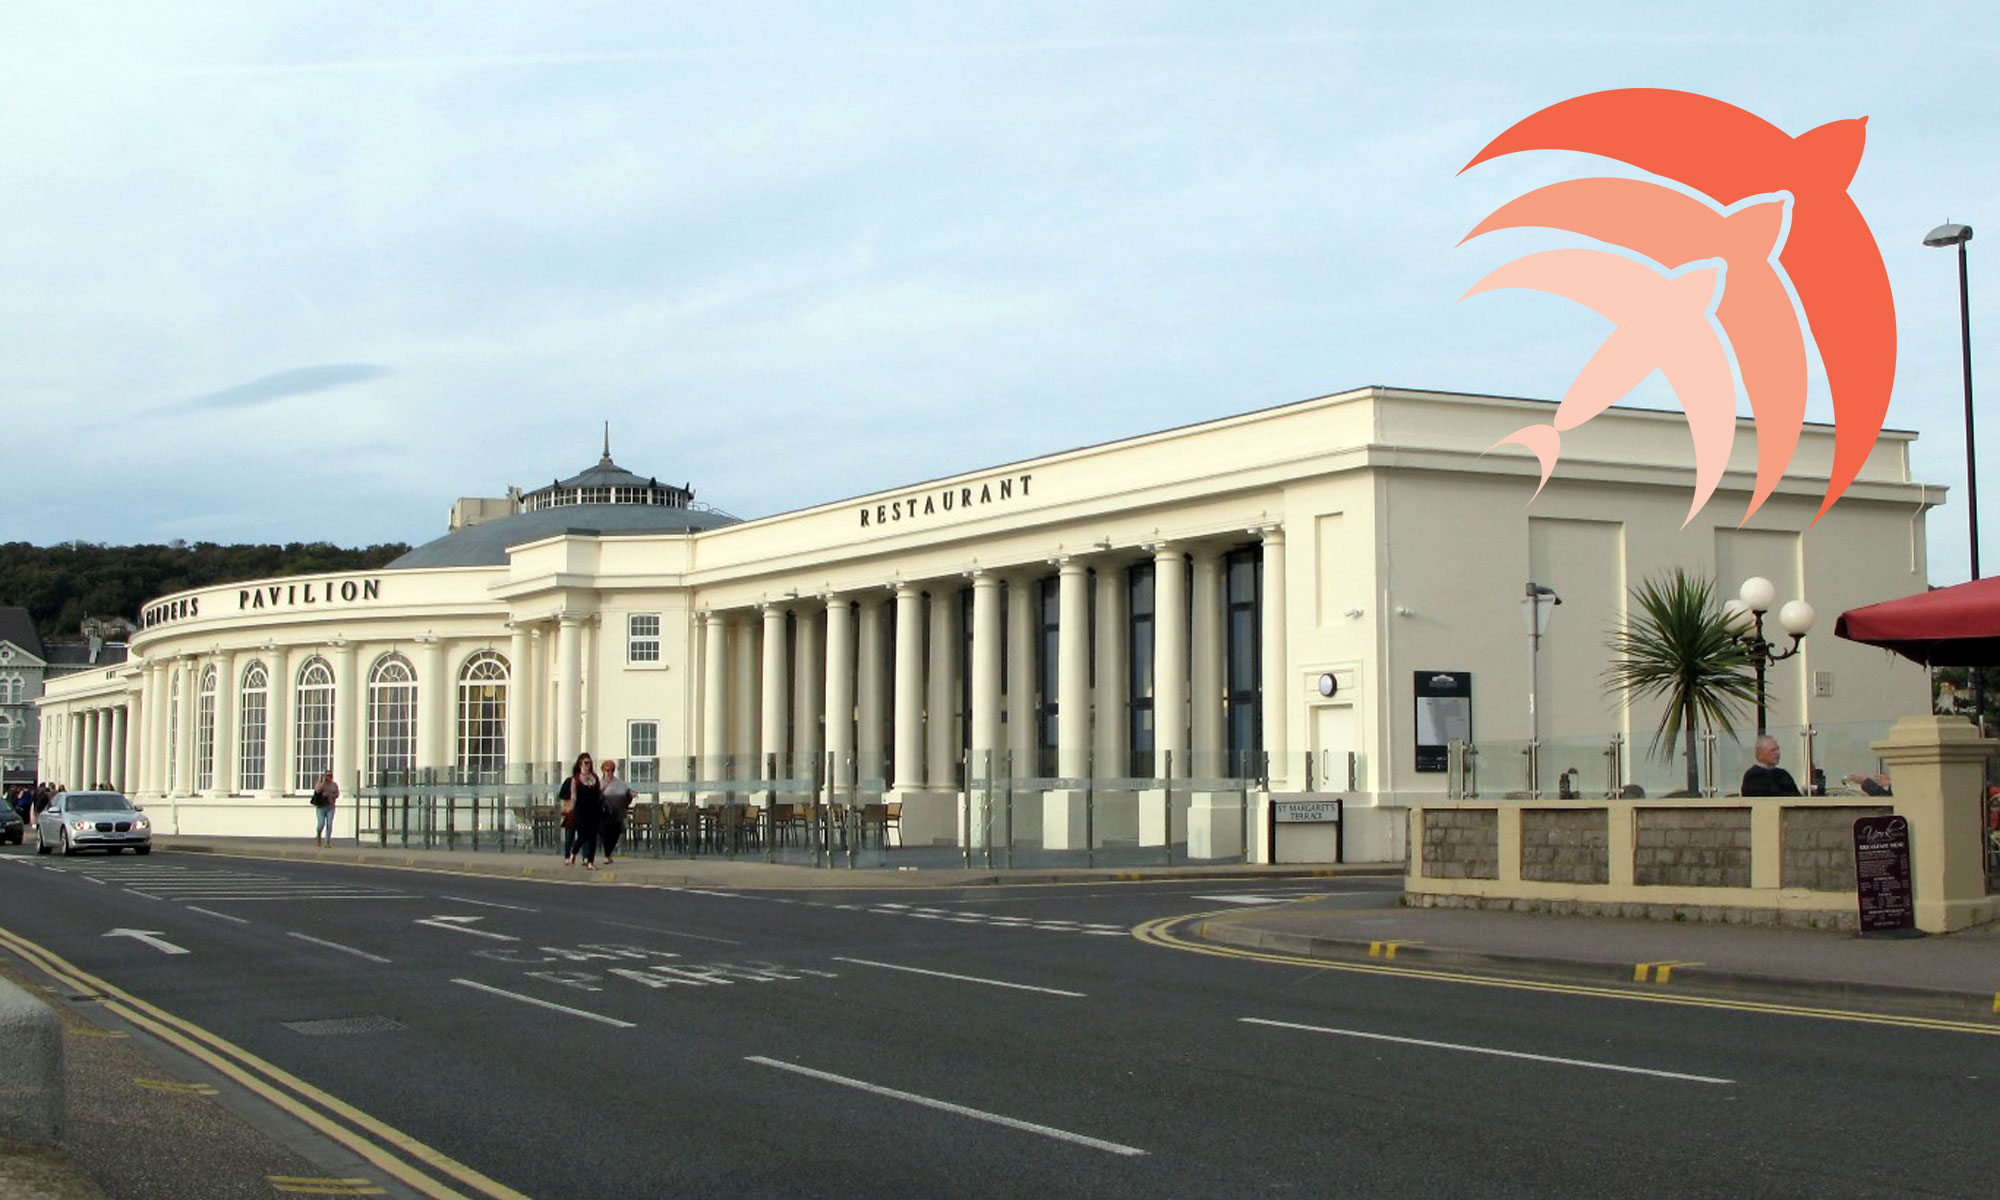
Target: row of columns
point(767, 698)
point(95, 746)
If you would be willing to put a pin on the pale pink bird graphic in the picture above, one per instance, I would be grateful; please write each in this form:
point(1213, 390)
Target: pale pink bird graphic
point(1675, 229)
point(1662, 325)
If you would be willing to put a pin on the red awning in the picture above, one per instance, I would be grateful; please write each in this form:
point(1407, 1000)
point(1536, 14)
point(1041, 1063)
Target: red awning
point(1950, 627)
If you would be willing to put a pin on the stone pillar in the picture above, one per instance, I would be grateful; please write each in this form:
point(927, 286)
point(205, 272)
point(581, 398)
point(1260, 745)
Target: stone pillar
point(190, 708)
point(278, 725)
point(808, 691)
point(909, 718)
point(520, 701)
point(153, 752)
point(1064, 823)
point(840, 682)
point(776, 694)
point(350, 701)
point(1114, 672)
point(1024, 599)
point(1937, 768)
point(714, 694)
point(228, 689)
point(433, 707)
point(100, 748)
point(1170, 658)
point(941, 701)
point(569, 687)
point(871, 660)
point(121, 733)
point(743, 712)
point(986, 761)
point(1205, 683)
point(1276, 667)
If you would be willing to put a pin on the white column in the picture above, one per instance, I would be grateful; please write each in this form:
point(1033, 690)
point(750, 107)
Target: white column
point(569, 684)
point(1170, 656)
point(744, 713)
point(190, 670)
point(520, 700)
point(153, 752)
point(278, 724)
point(1064, 826)
point(433, 706)
point(1276, 669)
point(839, 681)
point(1114, 672)
point(776, 693)
point(99, 764)
point(808, 690)
point(73, 751)
point(124, 730)
point(941, 701)
point(350, 701)
point(871, 661)
point(589, 650)
point(714, 694)
point(228, 682)
point(1206, 741)
point(1024, 607)
point(909, 688)
point(988, 730)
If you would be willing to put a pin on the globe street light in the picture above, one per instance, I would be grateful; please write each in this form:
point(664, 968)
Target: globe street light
point(1535, 613)
point(1746, 617)
point(1949, 234)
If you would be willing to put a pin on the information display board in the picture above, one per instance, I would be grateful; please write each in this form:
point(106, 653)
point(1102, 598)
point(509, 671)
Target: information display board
point(1444, 716)
point(1882, 878)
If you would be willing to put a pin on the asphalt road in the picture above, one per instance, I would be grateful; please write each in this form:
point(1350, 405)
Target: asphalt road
point(512, 1037)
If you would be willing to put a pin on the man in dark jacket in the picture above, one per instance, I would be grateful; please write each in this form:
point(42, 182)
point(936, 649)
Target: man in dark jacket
point(1765, 777)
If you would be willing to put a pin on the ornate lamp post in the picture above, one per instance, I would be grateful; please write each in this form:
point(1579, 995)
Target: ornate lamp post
point(1746, 617)
point(1949, 234)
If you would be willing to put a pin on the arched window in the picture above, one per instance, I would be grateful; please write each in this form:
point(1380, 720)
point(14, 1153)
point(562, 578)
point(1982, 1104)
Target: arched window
point(204, 731)
point(173, 731)
point(482, 717)
point(314, 726)
point(12, 689)
point(392, 718)
point(6, 732)
point(256, 693)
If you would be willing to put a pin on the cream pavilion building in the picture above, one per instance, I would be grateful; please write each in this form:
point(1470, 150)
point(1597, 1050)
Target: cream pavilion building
point(1311, 598)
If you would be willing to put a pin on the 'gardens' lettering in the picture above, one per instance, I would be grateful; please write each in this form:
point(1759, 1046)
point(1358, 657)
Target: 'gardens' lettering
point(943, 500)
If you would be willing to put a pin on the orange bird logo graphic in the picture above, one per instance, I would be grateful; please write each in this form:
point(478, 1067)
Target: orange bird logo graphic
point(1749, 169)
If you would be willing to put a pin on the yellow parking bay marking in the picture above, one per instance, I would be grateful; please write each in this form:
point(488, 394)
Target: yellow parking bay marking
point(1658, 972)
point(1541, 1058)
point(301, 1185)
point(169, 1085)
point(1161, 932)
point(1387, 949)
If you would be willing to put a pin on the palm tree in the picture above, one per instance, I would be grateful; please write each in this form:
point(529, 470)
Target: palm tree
point(1677, 645)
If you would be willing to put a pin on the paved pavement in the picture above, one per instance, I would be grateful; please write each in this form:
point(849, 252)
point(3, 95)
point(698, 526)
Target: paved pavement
point(1959, 973)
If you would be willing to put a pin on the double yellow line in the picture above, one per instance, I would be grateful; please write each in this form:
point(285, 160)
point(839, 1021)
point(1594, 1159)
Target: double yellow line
point(1165, 933)
point(423, 1169)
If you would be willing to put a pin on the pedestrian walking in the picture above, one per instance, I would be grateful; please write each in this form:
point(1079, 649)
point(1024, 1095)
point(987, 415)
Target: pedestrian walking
point(583, 795)
point(325, 793)
point(617, 799)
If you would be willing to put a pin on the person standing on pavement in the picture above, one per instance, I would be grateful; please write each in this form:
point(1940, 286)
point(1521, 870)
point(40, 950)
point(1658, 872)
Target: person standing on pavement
point(583, 792)
point(323, 797)
point(617, 799)
point(1765, 777)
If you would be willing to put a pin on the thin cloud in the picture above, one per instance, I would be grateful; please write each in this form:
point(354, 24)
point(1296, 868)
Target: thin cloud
point(298, 381)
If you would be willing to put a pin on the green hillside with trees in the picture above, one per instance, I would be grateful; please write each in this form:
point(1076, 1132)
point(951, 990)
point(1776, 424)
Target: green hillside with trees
point(61, 585)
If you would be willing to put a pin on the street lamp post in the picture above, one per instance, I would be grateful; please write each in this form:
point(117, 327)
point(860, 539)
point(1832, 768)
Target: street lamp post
point(1746, 617)
point(1949, 234)
point(1535, 613)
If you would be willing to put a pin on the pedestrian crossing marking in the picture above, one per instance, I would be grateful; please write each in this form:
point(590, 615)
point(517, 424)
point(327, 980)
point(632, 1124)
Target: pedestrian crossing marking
point(1657, 972)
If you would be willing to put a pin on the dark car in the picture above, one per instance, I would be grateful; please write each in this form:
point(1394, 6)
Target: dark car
point(12, 827)
point(107, 821)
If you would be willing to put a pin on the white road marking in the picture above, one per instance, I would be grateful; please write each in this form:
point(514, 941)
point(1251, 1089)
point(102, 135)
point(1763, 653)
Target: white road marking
point(699, 937)
point(273, 896)
point(1025, 987)
point(337, 946)
point(225, 916)
point(150, 937)
point(488, 904)
point(1245, 898)
point(460, 925)
point(93, 879)
point(1049, 1131)
point(574, 1012)
point(1567, 1062)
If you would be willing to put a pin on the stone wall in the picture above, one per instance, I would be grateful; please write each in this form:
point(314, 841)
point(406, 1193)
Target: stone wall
point(1566, 845)
point(1691, 847)
point(1817, 852)
point(1462, 844)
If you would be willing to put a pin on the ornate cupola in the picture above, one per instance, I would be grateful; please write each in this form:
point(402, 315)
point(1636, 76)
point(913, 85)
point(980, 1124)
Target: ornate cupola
point(607, 483)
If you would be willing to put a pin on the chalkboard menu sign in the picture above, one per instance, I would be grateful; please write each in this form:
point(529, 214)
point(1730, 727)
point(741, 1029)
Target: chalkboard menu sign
point(1444, 716)
point(1882, 880)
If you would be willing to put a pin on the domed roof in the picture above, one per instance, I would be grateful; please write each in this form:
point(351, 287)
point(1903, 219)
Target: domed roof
point(486, 544)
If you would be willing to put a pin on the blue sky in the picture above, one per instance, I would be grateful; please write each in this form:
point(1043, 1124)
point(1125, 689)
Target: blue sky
point(303, 271)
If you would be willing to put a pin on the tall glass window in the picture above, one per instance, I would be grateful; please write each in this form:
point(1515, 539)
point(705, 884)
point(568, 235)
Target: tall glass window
point(392, 718)
point(256, 691)
point(482, 717)
point(1139, 600)
point(642, 638)
point(1243, 639)
point(314, 724)
point(204, 731)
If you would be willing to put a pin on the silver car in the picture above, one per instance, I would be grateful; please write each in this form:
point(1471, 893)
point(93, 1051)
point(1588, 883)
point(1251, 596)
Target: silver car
point(107, 821)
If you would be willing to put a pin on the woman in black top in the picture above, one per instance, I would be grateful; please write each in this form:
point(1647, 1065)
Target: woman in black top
point(585, 792)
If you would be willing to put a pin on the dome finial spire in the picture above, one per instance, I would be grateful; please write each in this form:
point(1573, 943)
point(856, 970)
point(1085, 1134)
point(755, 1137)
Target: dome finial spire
point(606, 461)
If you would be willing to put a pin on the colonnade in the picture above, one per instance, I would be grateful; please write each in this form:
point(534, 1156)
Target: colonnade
point(95, 746)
